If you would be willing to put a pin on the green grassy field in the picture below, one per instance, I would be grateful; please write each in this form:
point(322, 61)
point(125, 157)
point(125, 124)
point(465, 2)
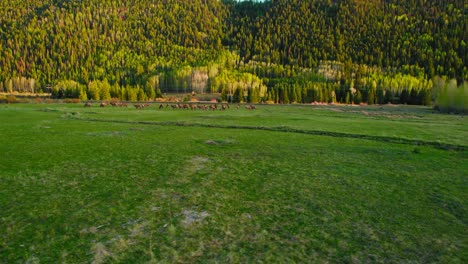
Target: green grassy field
point(279, 184)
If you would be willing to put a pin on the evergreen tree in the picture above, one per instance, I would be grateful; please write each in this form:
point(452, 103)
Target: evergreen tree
point(388, 97)
point(358, 97)
point(413, 97)
point(404, 96)
point(425, 97)
point(371, 96)
point(380, 96)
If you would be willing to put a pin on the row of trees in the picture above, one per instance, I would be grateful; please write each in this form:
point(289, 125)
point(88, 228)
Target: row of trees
point(301, 86)
point(309, 92)
point(102, 90)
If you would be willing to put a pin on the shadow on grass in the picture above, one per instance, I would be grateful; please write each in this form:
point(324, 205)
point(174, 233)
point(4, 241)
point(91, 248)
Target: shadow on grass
point(397, 140)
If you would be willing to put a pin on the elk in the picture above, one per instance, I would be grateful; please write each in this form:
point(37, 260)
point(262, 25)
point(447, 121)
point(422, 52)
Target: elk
point(103, 104)
point(87, 104)
point(161, 106)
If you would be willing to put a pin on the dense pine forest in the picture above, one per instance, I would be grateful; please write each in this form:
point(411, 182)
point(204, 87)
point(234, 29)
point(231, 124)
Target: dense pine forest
point(278, 51)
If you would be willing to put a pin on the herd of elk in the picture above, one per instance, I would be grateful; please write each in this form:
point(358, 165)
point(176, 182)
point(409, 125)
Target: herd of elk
point(191, 106)
point(141, 106)
point(104, 104)
point(118, 104)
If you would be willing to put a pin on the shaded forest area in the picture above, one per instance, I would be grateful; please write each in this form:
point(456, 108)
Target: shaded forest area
point(279, 51)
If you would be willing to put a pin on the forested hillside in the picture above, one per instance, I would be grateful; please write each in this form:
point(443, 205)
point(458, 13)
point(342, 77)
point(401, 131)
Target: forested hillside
point(431, 35)
point(124, 41)
point(279, 51)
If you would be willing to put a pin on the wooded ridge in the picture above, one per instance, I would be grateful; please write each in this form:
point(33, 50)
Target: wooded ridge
point(344, 50)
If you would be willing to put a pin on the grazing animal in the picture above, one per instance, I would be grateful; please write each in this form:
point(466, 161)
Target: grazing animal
point(87, 104)
point(114, 103)
point(138, 106)
point(103, 104)
point(248, 107)
point(161, 106)
point(253, 107)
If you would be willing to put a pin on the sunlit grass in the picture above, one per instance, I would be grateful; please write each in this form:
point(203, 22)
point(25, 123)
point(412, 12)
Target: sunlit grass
point(75, 190)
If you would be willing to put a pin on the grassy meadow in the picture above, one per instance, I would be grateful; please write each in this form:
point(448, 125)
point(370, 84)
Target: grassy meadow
point(279, 184)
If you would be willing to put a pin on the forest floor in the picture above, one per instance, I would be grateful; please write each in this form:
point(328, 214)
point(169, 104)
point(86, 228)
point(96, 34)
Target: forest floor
point(295, 183)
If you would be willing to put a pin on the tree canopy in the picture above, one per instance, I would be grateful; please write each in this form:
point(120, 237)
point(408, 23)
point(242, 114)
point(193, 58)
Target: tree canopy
point(160, 46)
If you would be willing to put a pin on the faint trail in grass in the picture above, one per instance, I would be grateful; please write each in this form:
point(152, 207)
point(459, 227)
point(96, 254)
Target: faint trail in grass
point(397, 140)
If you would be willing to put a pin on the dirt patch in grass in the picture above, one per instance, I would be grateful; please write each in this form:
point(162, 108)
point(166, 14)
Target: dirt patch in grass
point(100, 252)
point(106, 133)
point(219, 142)
point(198, 163)
point(192, 217)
